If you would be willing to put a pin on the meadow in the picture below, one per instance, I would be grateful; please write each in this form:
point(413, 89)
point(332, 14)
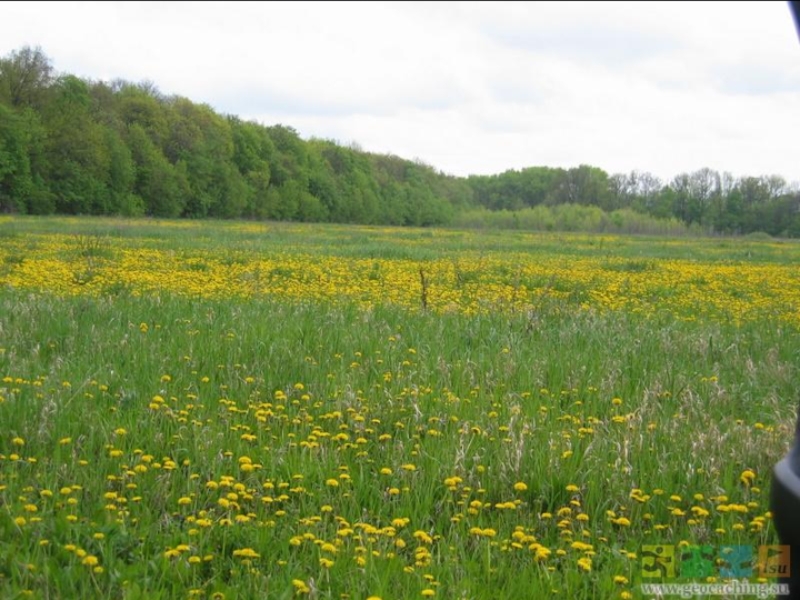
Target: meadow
point(265, 410)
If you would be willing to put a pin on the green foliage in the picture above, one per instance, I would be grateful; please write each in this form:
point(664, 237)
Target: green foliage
point(73, 146)
point(25, 76)
point(15, 167)
point(163, 186)
point(514, 190)
point(572, 217)
point(704, 200)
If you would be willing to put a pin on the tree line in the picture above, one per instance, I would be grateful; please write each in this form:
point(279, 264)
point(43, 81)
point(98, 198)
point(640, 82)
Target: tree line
point(705, 200)
point(74, 146)
point(68, 145)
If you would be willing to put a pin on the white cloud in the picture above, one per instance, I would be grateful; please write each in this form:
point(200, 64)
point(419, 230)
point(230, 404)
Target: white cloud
point(466, 87)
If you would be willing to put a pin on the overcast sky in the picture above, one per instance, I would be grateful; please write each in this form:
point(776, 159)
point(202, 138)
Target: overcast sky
point(469, 88)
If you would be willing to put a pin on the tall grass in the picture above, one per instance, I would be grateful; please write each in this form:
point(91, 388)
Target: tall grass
point(160, 446)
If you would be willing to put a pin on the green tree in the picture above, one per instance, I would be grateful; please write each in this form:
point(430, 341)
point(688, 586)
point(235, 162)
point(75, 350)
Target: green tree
point(77, 157)
point(25, 77)
point(322, 182)
point(291, 156)
point(121, 178)
point(142, 105)
point(582, 185)
point(162, 187)
point(16, 180)
point(253, 151)
point(202, 140)
point(680, 195)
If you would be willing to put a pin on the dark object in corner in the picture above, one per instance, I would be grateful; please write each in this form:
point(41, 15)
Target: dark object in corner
point(785, 506)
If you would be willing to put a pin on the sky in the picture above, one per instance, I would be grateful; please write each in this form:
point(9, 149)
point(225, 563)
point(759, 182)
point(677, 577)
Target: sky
point(466, 87)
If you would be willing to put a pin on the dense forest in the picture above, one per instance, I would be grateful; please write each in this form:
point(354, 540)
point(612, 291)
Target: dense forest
point(74, 146)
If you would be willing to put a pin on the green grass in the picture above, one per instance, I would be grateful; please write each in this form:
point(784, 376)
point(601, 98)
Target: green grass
point(134, 403)
point(388, 242)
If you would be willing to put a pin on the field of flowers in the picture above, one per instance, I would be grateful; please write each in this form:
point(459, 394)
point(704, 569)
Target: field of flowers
point(249, 410)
